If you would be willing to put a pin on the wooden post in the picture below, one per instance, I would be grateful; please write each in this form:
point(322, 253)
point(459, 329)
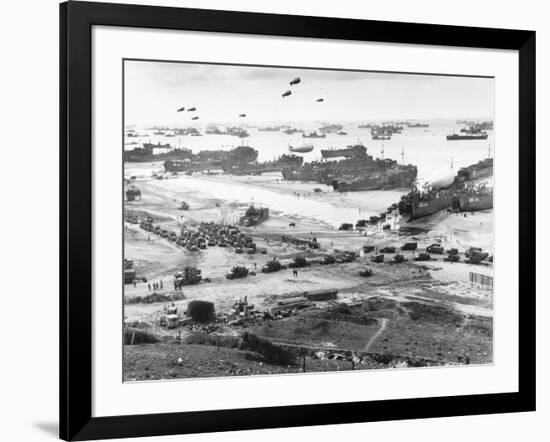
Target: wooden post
point(179, 336)
point(133, 337)
point(352, 364)
point(218, 341)
point(304, 364)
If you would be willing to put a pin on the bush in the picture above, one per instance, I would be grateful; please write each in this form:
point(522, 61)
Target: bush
point(140, 336)
point(211, 339)
point(201, 311)
point(268, 351)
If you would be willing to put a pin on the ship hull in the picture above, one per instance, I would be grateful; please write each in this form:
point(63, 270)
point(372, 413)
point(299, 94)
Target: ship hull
point(421, 209)
point(470, 203)
point(249, 221)
point(188, 166)
point(466, 137)
point(382, 181)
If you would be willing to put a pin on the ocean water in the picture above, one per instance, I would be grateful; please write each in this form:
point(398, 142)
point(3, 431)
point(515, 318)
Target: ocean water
point(427, 148)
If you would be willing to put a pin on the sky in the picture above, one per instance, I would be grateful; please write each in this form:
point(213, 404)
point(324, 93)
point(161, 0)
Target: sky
point(153, 92)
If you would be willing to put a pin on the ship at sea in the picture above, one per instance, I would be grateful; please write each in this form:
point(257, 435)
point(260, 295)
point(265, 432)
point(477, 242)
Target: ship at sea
point(458, 192)
point(346, 152)
point(210, 160)
point(417, 125)
point(357, 171)
point(156, 152)
point(292, 131)
point(331, 128)
point(314, 135)
point(467, 136)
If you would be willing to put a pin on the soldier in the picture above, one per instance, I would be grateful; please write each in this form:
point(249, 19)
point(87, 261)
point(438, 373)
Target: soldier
point(149, 286)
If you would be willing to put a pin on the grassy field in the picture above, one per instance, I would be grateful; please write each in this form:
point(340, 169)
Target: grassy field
point(160, 361)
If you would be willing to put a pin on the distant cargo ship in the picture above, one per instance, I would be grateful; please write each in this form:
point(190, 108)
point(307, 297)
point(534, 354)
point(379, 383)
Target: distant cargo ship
point(419, 125)
point(314, 135)
point(467, 136)
point(331, 128)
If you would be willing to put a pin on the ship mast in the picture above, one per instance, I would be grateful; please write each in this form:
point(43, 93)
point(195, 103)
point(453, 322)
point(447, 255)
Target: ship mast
point(489, 151)
point(382, 152)
point(402, 155)
point(451, 163)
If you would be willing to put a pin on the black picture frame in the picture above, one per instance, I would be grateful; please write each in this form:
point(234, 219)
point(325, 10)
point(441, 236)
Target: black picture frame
point(76, 21)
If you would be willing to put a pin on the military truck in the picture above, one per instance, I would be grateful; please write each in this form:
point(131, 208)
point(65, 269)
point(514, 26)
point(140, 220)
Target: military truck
point(476, 251)
point(366, 272)
point(409, 246)
point(398, 258)
point(328, 259)
point(237, 272)
point(299, 262)
point(377, 258)
point(189, 276)
point(129, 272)
point(388, 249)
point(476, 257)
point(435, 248)
point(452, 258)
point(346, 226)
point(423, 257)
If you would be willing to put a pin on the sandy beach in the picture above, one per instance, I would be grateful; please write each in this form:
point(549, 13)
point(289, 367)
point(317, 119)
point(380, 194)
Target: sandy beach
point(301, 212)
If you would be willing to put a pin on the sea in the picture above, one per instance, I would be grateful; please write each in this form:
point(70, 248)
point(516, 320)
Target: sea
point(427, 148)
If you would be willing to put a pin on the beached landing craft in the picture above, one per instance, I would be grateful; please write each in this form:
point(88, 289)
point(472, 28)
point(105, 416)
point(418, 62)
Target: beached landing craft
point(295, 81)
point(301, 148)
point(254, 216)
point(458, 194)
point(287, 93)
point(357, 171)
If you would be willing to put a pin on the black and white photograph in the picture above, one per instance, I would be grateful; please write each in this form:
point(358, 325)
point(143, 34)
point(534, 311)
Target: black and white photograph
point(286, 220)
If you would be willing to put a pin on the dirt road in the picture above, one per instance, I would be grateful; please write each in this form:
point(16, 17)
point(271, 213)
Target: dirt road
point(378, 333)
